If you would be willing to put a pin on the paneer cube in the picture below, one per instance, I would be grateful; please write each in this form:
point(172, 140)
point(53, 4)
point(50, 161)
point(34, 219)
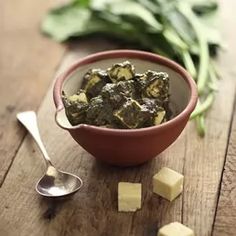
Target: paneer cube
point(76, 106)
point(159, 116)
point(130, 114)
point(79, 97)
point(121, 71)
point(175, 229)
point(129, 196)
point(156, 85)
point(168, 183)
point(93, 82)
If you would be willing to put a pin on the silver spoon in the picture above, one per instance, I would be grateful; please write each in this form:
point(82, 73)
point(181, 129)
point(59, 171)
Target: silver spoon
point(54, 183)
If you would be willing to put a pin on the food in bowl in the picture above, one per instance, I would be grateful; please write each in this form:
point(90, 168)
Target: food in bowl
point(127, 147)
point(120, 98)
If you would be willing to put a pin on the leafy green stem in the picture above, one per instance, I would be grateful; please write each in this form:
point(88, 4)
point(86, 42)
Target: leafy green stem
point(203, 107)
point(204, 50)
point(201, 127)
point(189, 64)
point(213, 78)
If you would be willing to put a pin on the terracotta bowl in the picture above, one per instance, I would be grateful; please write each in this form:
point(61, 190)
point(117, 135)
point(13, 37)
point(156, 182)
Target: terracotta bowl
point(128, 147)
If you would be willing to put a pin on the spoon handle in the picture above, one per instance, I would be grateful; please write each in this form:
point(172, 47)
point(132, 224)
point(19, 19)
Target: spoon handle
point(29, 120)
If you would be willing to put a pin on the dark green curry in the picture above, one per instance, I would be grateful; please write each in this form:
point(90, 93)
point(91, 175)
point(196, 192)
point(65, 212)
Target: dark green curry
point(120, 98)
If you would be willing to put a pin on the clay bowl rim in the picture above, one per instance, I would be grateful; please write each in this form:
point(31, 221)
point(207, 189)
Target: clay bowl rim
point(124, 53)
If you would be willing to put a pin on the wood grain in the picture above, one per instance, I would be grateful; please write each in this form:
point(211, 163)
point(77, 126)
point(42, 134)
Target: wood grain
point(27, 63)
point(226, 211)
point(93, 210)
point(205, 158)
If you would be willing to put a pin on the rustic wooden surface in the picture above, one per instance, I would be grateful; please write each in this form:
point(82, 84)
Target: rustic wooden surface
point(27, 62)
point(226, 214)
point(205, 205)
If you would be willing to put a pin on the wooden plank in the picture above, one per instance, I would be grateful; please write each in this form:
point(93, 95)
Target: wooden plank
point(205, 157)
point(226, 211)
point(92, 211)
point(27, 62)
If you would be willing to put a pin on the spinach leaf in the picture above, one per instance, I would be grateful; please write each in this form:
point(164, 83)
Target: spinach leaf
point(67, 21)
point(209, 25)
point(127, 8)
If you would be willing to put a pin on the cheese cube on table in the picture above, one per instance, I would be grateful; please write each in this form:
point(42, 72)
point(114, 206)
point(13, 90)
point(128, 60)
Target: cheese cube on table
point(175, 229)
point(129, 196)
point(168, 183)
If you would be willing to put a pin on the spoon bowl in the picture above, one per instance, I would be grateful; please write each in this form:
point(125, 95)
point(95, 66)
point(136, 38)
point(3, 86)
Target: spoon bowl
point(57, 183)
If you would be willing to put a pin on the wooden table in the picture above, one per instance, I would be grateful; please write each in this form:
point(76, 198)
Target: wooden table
point(28, 62)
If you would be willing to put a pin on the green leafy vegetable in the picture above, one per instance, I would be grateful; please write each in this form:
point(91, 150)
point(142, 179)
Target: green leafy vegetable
point(183, 30)
point(128, 8)
point(202, 107)
point(201, 127)
point(203, 45)
point(67, 21)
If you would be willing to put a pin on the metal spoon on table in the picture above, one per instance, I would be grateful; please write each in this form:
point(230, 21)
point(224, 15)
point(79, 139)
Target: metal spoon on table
point(54, 183)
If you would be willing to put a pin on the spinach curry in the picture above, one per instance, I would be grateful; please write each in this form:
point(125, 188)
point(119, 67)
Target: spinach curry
point(120, 98)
